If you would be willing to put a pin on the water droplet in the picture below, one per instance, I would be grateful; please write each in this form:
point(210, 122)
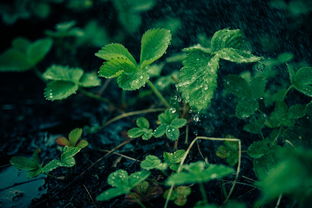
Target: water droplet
point(172, 110)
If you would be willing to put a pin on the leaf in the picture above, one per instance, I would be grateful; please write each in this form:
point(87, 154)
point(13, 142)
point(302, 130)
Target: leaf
point(62, 141)
point(67, 157)
point(178, 122)
point(38, 50)
point(259, 148)
point(179, 195)
point(154, 44)
point(58, 90)
point(302, 81)
point(296, 111)
point(152, 162)
point(237, 56)
point(122, 183)
point(82, 144)
point(246, 107)
point(63, 73)
point(142, 123)
point(53, 164)
point(132, 81)
point(89, 80)
point(256, 124)
point(197, 173)
point(143, 130)
point(135, 132)
point(198, 79)
point(74, 136)
point(228, 151)
point(115, 51)
point(227, 38)
point(14, 60)
point(174, 157)
point(21, 44)
point(24, 163)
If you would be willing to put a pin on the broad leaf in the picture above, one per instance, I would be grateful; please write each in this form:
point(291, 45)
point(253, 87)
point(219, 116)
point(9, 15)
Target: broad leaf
point(74, 136)
point(53, 164)
point(24, 163)
point(302, 81)
point(152, 162)
point(58, 90)
point(132, 81)
point(38, 50)
point(237, 56)
point(227, 38)
point(142, 130)
point(198, 79)
point(173, 159)
point(115, 51)
point(228, 151)
point(14, 60)
point(89, 80)
point(154, 44)
point(63, 73)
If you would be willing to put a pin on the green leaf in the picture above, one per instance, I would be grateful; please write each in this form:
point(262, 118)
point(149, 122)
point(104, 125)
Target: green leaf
point(74, 136)
point(115, 51)
point(246, 107)
point(67, 157)
point(82, 144)
point(135, 132)
point(152, 162)
point(197, 173)
point(122, 183)
point(160, 131)
point(14, 60)
point(179, 195)
point(227, 38)
point(238, 86)
point(154, 44)
point(38, 50)
point(24, 163)
point(256, 124)
point(173, 159)
point(132, 80)
point(237, 56)
point(21, 44)
point(142, 123)
point(228, 151)
point(172, 133)
point(89, 80)
point(296, 111)
point(178, 122)
point(259, 148)
point(115, 67)
point(53, 164)
point(58, 90)
point(63, 73)
point(198, 79)
point(302, 81)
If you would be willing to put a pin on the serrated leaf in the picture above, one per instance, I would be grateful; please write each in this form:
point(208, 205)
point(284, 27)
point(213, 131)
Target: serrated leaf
point(115, 51)
point(38, 50)
point(132, 81)
point(172, 133)
point(63, 73)
point(255, 125)
point(173, 159)
point(198, 79)
point(89, 80)
point(227, 38)
point(74, 136)
point(115, 67)
point(58, 90)
point(151, 162)
point(197, 173)
point(160, 131)
point(302, 81)
point(237, 56)
point(154, 44)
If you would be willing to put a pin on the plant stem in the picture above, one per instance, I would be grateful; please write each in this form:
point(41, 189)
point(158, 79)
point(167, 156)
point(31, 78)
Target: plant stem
point(158, 94)
point(94, 96)
point(39, 74)
point(139, 202)
point(203, 192)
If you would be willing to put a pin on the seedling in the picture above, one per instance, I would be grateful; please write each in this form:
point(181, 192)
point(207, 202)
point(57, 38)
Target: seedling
point(122, 183)
point(143, 130)
point(73, 138)
point(170, 124)
point(173, 159)
point(65, 81)
point(24, 55)
point(198, 78)
point(153, 162)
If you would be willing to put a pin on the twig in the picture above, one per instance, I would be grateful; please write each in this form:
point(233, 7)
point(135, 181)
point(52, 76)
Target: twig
point(89, 195)
point(121, 155)
point(278, 200)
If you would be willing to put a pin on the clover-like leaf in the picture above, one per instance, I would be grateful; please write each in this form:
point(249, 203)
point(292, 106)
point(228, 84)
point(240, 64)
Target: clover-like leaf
point(228, 151)
point(169, 125)
point(65, 81)
point(152, 162)
point(122, 183)
point(154, 44)
point(173, 159)
point(302, 81)
point(24, 55)
point(179, 195)
point(142, 130)
point(197, 172)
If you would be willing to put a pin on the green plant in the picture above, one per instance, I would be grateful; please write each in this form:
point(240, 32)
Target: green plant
point(24, 55)
point(142, 130)
point(65, 81)
point(179, 195)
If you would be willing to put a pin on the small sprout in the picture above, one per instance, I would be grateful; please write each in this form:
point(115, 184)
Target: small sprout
point(179, 195)
point(169, 125)
point(65, 81)
point(228, 151)
point(173, 159)
point(153, 162)
point(143, 130)
point(198, 172)
point(73, 138)
point(122, 183)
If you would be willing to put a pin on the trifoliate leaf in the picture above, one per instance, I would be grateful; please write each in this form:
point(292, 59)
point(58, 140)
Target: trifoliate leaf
point(198, 173)
point(58, 90)
point(152, 162)
point(89, 80)
point(173, 159)
point(302, 81)
point(74, 136)
point(115, 51)
point(142, 130)
point(67, 157)
point(154, 44)
point(63, 73)
point(198, 79)
point(227, 38)
point(122, 183)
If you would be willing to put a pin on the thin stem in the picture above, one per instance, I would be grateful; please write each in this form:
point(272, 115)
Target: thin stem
point(158, 94)
point(278, 201)
point(94, 96)
point(203, 192)
point(39, 74)
point(139, 202)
